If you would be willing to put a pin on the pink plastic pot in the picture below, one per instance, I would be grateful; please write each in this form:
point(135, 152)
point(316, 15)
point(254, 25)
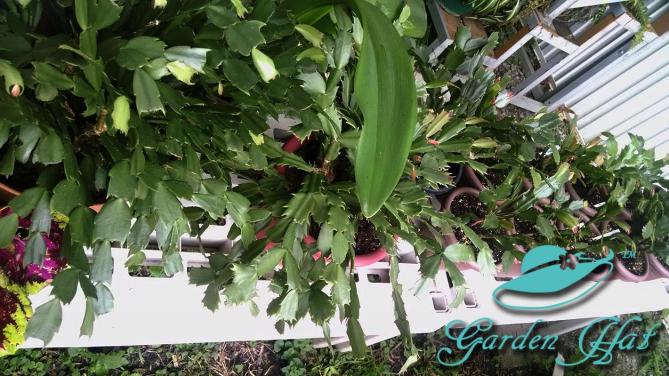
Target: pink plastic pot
point(596, 276)
point(292, 145)
point(360, 260)
point(628, 276)
point(529, 186)
point(590, 211)
point(370, 258)
point(658, 268)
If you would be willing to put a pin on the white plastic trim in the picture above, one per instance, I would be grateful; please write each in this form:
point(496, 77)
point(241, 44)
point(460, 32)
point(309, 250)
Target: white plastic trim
point(170, 311)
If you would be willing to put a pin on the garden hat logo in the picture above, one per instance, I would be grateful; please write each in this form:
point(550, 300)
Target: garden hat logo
point(548, 274)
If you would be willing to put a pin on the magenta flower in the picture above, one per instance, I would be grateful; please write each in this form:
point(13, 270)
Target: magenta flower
point(11, 258)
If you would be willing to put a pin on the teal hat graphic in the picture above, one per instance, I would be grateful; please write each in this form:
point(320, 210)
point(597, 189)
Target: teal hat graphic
point(543, 274)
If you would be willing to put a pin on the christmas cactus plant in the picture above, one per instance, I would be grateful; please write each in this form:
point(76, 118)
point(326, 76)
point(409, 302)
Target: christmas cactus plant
point(116, 113)
point(123, 119)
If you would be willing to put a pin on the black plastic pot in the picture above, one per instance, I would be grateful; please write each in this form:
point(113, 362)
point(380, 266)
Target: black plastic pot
point(456, 7)
point(459, 171)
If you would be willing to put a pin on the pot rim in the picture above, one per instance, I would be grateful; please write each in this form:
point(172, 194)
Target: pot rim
point(657, 266)
point(627, 275)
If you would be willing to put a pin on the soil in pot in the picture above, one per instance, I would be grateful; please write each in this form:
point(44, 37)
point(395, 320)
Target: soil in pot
point(468, 205)
point(496, 176)
point(493, 176)
point(664, 264)
point(342, 169)
point(524, 227)
point(366, 240)
point(310, 151)
point(488, 235)
point(593, 195)
point(637, 265)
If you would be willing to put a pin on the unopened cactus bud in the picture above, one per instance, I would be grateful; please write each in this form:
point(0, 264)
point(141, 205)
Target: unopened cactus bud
point(264, 64)
point(16, 90)
point(503, 99)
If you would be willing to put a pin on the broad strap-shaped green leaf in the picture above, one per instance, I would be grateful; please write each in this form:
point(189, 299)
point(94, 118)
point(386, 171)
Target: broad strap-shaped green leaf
point(386, 92)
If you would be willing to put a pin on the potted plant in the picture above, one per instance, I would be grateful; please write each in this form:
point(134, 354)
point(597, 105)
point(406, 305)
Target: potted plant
point(619, 185)
point(648, 229)
point(634, 268)
point(133, 112)
point(151, 106)
point(313, 195)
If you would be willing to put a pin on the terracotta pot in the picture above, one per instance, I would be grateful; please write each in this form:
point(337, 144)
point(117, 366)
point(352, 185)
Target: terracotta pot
point(628, 276)
point(473, 179)
point(596, 276)
point(459, 172)
point(529, 186)
point(590, 211)
point(659, 268)
point(585, 218)
point(450, 238)
point(457, 192)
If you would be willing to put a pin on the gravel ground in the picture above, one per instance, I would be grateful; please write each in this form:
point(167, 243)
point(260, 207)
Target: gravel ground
point(511, 68)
